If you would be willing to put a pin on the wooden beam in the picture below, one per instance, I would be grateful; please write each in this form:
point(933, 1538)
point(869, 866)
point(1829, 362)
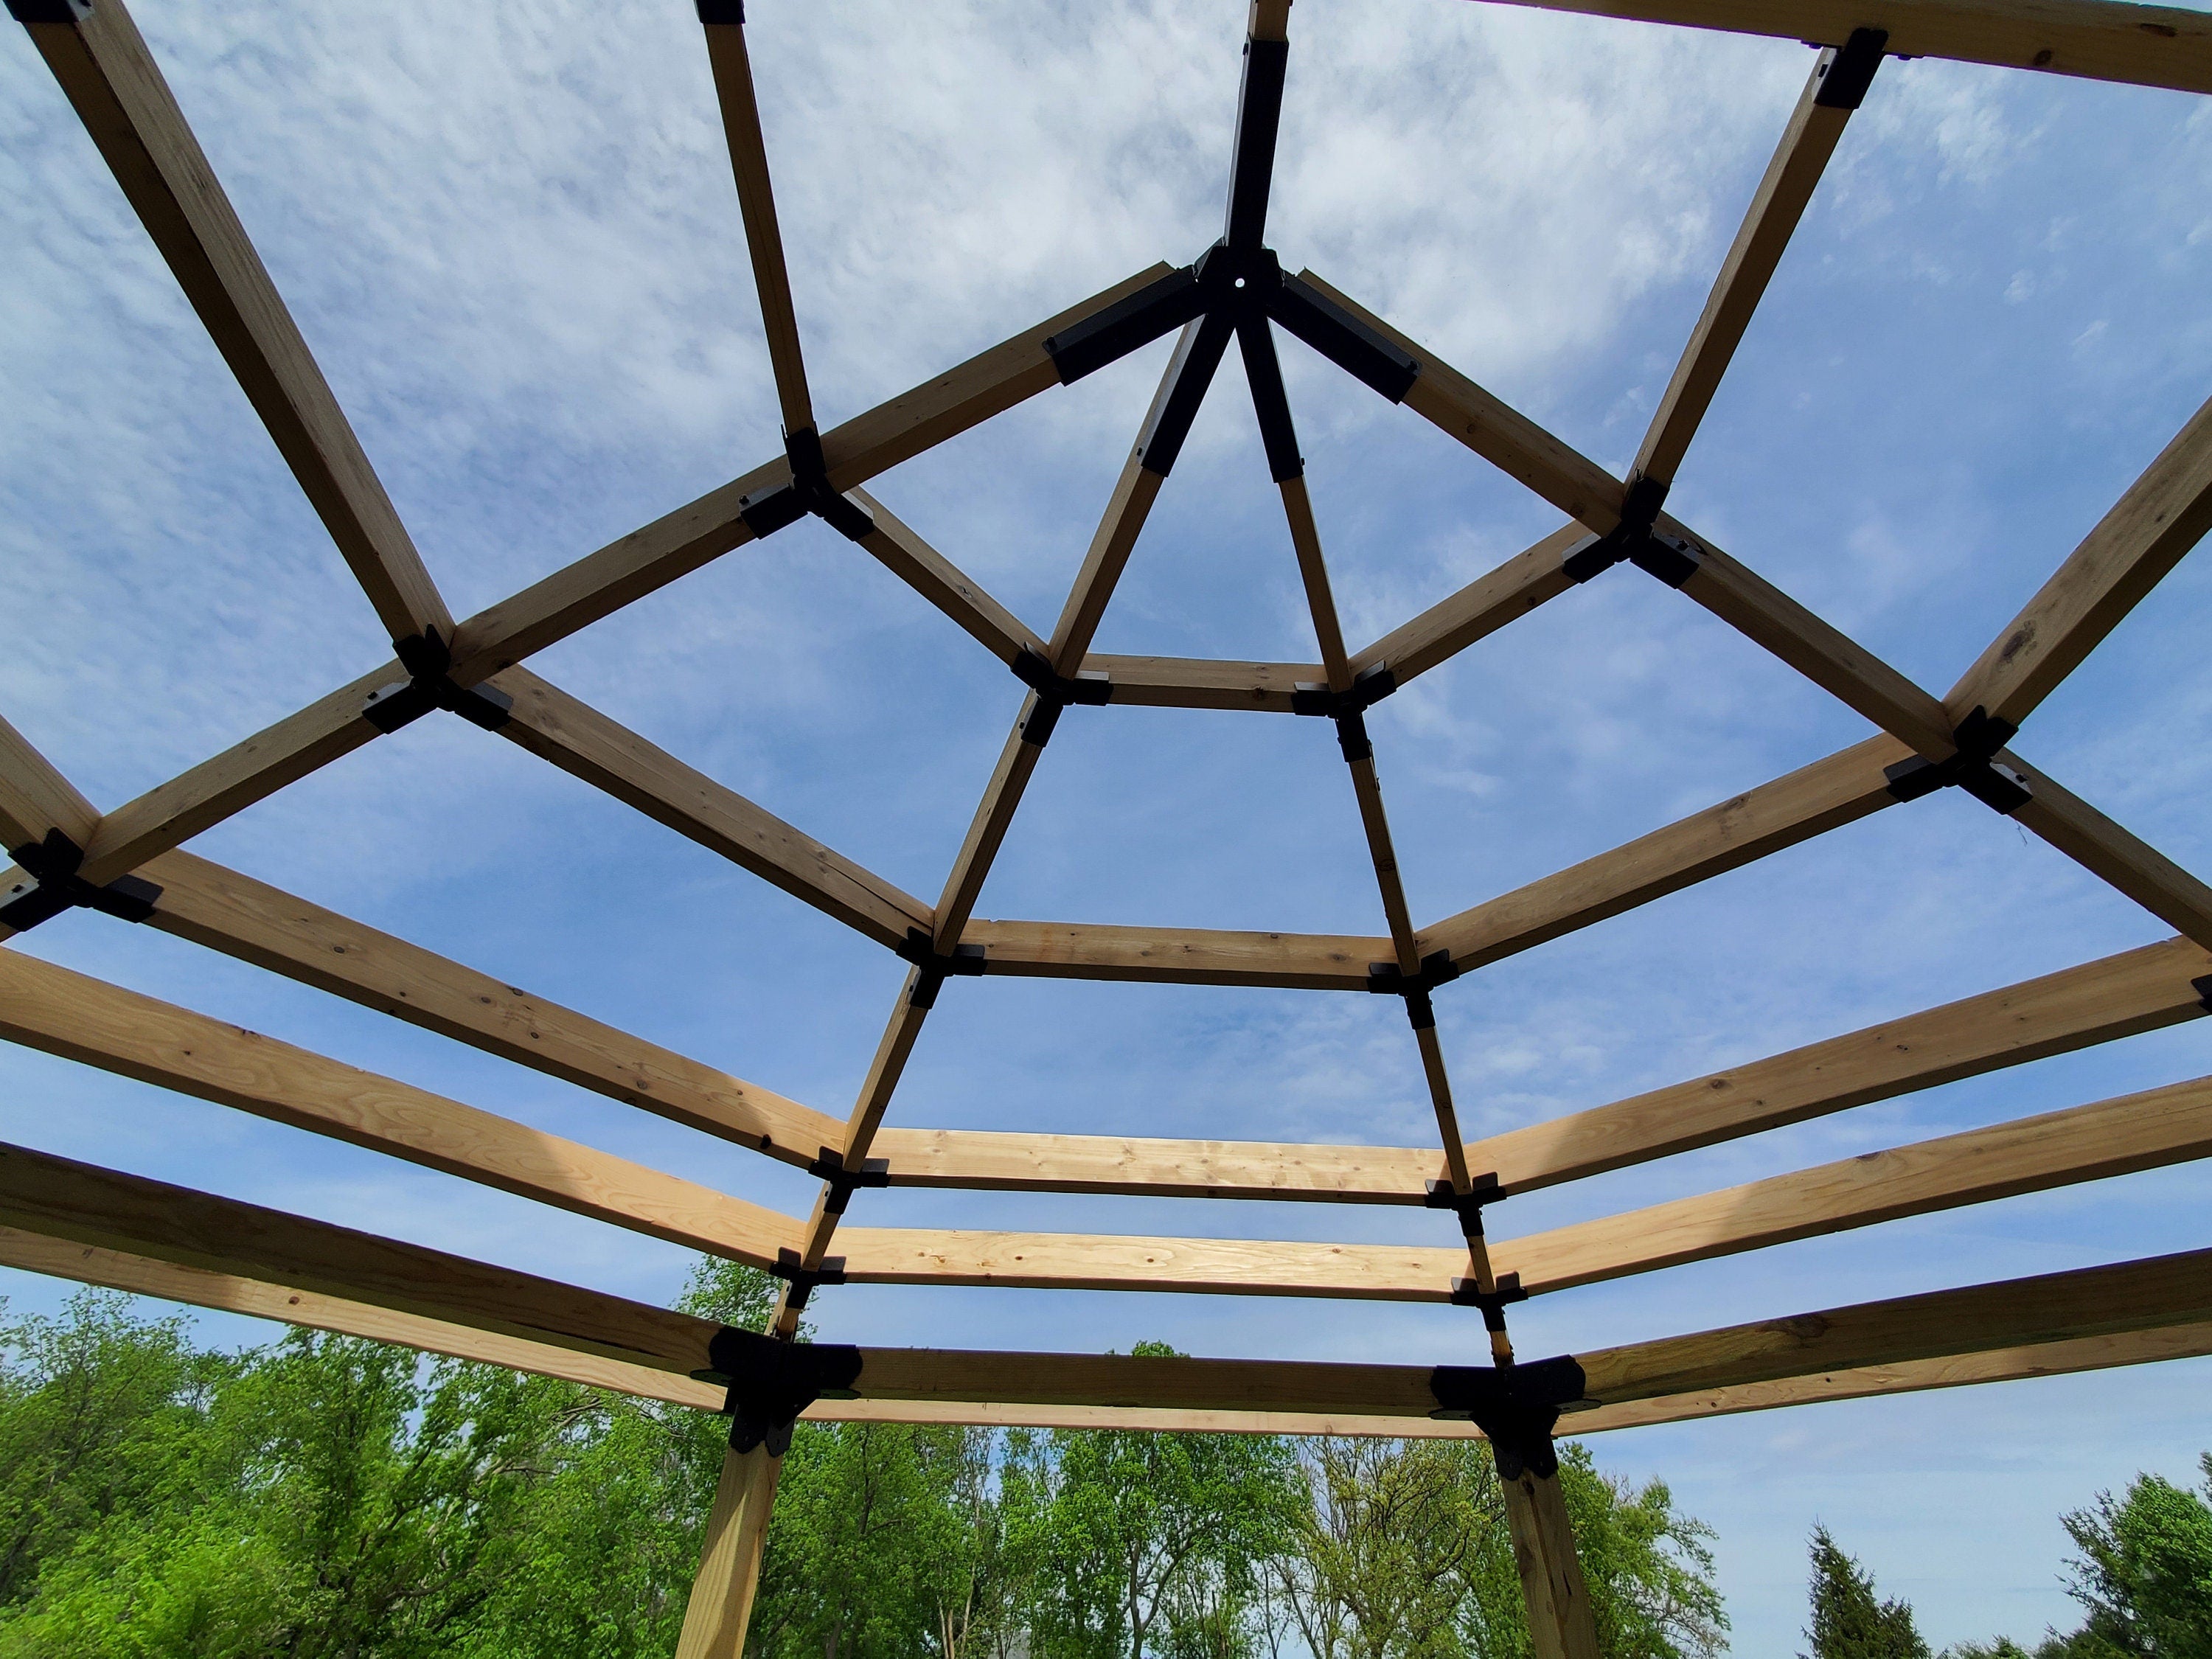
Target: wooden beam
point(1777, 206)
point(1485, 604)
point(2128, 1296)
point(231, 1292)
point(1058, 949)
point(1561, 1622)
point(989, 1160)
point(249, 920)
point(901, 552)
point(1203, 682)
point(1847, 786)
point(2106, 850)
point(2164, 513)
point(106, 1210)
point(111, 78)
point(84, 1019)
point(2099, 39)
point(721, 1604)
point(2136, 991)
point(2145, 1131)
point(580, 740)
point(648, 559)
point(741, 126)
point(35, 798)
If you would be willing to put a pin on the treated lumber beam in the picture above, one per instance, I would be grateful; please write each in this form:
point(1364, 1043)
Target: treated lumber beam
point(249, 920)
point(2106, 850)
point(35, 798)
point(645, 560)
point(1485, 604)
point(108, 75)
point(2098, 40)
point(107, 1210)
point(1561, 1625)
point(1058, 949)
point(581, 741)
point(1001, 1161)
point(721, 1604)
point(1846, 786)
point(2136, 991)
point(901, 550)
point(2165, 512)
point(1203, 682)
point(2128, 1296)
point(741, 127)
point(81, 1018)
point(2145, 1131)
point(1783, 194)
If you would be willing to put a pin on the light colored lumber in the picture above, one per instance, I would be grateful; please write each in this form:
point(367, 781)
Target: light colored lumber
point(1164, 1381)
point(2145, 1131)
point(1485, 604)
point(35, 798)
point(580, 740)
point(1057, 949)
point(2165, 512)
point(1553, 1589)
point(1104, 560)
point(1777, 205)
point(986, 831)
point(104, 67)
point(172, 813)
point(1091, 1261)
point(84, 1019)
point(1508, 439)
point(1203, 682)
point(2101, 40)
point(649, 558)
point(1313, 572)
point(2118, 996)
point(741, 126)
point(900, 550)
point(2105, 849)
point(997, 1160)
point(1810, 801)
point(233, 914)
point(107, 1210)
point(2128, 1296)
point(721, 1604)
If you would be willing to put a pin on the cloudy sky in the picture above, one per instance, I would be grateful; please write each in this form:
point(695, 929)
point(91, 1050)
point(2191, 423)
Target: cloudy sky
point(509, 235)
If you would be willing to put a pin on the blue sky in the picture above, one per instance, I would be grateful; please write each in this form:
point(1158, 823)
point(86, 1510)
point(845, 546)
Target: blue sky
point(510, 236)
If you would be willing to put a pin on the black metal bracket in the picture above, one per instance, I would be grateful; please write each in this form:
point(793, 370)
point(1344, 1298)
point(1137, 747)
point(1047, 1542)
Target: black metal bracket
point(1388, 979)
point(1113, 331)
point(1516, 1405)
point(49, 11)
point(771, 1380)
point(427, 657)
point(55, 886)
point(791, 1267)
point(1344, 339)
point(1368, 689)
point(1465, 1293)
point(1672, 559)
point(808, 491)
point(1468, 1206)
point(2203, 989)
point(919, 948)
point(1844, 79)
point(1974, 769)
point(831, 1167)
point(1056, 691)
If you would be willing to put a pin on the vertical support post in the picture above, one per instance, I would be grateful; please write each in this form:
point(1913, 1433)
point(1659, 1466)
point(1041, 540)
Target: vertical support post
point(1560, 1622)
point(730, 1561)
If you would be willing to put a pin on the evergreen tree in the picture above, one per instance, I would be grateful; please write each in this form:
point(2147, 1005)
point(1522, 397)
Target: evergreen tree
point(1848, 1621)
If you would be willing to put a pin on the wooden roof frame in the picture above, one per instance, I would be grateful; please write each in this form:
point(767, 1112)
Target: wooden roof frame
point(130, 862)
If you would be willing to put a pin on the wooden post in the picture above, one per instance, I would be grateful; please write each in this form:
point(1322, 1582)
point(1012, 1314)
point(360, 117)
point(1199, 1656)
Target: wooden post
point(1560, 1622)
point(730, 1559)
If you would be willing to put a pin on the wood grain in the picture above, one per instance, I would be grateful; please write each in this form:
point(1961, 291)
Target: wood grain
point(1529, 578)
point(2106, 850)
point(1204, 683)
point(1194, 956)
point(35, 798)
point(1004, 1161)
point(900, 550)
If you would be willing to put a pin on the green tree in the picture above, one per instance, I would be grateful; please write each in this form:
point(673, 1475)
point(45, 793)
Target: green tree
point(1650, 1567)
point(1848, 1622)
point(2145, 1570)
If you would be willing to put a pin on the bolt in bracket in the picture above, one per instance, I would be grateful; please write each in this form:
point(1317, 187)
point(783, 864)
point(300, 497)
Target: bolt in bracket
point(427, 657)
point(1516, 1405)
point(55, 886)
point(831, 1167)
point(771, 1380)
point(1468, 1206)
point(1387, 979)
point(966, 962)
point(1973, 768)
point(767, 511)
